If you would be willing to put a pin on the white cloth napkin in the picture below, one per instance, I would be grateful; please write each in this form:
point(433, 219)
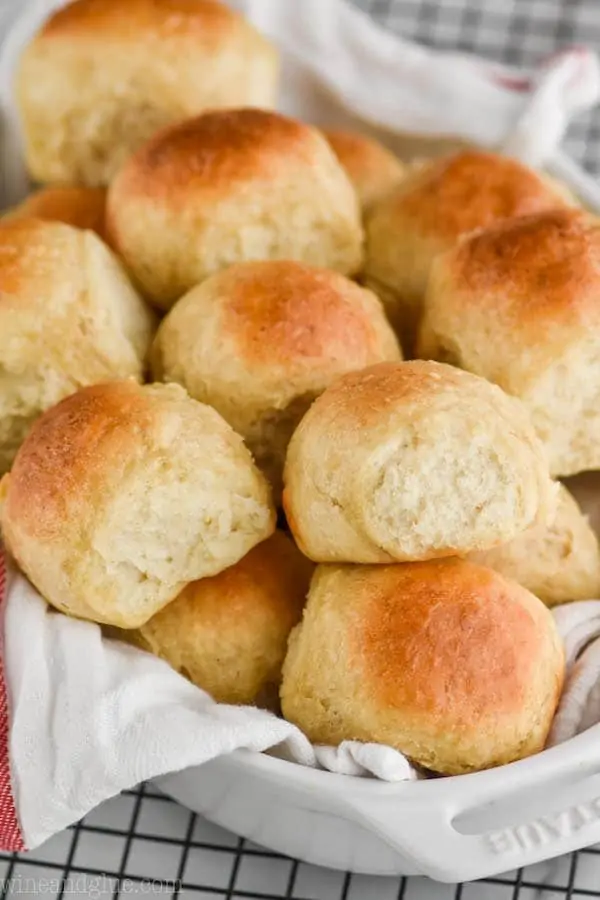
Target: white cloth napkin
point(89, 717)
point(82, 717)
point(579, 709)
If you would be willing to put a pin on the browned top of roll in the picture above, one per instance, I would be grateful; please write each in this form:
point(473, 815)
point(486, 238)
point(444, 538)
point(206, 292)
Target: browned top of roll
point(37, 261)
point(473, 189)
point(197, 20)
point(365, 396)
point(536, 268)
point(65, 454)
point(285, 311)
point(81, 207)
point(475, 634)
point(455, 666)
point(215, 151)
point(272, 579)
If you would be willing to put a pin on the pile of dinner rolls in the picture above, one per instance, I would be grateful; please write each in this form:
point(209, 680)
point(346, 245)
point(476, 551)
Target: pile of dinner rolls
point(285, 410)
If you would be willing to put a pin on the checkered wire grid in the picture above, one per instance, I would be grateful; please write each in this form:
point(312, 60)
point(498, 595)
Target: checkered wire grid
point(141, 843)
point(519, 32)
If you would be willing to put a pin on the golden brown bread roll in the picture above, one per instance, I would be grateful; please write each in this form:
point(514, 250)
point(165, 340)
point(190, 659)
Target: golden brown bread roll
point(102, 76)
point(68, 317)
point(80, 207)
point(122, 494)
point(557, 562)
point(373, 169)
point(409, 461)
point(228, 634)
point(519, 304)
point(433, 206)
point(261, 340)
point(448, 662)
point(231, 187)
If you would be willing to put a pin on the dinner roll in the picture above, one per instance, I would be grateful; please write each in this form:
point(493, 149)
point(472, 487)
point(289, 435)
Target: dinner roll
point(519, 304)
point(68, 317)
point(228, 634)
point(409, 461)
point(230, 187)
point(373, 169)
point(448, 662)
point(557, 562)
point(122, 494)
point(81, 207)
point(102, 76)
point(261, 340)
point(435, 205)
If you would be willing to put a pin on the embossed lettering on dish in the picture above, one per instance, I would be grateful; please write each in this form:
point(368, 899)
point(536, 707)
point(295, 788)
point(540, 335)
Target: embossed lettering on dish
point(545, 829)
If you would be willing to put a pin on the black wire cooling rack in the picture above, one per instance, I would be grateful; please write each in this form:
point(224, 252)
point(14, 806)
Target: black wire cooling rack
point(143, 843)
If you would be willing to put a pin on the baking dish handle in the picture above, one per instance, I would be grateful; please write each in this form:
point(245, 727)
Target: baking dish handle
point(478, 825)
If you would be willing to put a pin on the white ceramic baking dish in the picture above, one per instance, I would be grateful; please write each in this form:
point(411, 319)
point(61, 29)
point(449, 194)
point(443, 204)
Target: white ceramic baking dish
point(451, 829)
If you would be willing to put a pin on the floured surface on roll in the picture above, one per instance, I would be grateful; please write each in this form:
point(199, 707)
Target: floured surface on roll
point(231, 187)
point(228, 634)
point(432, 208)
point(409, 461)
point(261, 340)
point(102, 76)
point(519, 304)
point(373, 169)
point(69, 317)
point(558, 562)
point(448, 662)
point(123, 494)
point(80, 207)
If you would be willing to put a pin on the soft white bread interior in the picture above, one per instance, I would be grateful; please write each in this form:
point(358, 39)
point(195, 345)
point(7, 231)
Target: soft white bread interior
point(122, 494)
point(413, 460)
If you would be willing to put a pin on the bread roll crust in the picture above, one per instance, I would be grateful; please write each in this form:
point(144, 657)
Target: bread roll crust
point(102, 76)
point(433, 206)
point(227, 187)
point(197, 20)
point(122, 494)
point(448, 662)
point(470, 190)
point(261, 340)
point(558, 562)
point(68, 317)
point(408, 461)
point(518, 304)
point(373, 169)
point(228, 634)
point(80, 207)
